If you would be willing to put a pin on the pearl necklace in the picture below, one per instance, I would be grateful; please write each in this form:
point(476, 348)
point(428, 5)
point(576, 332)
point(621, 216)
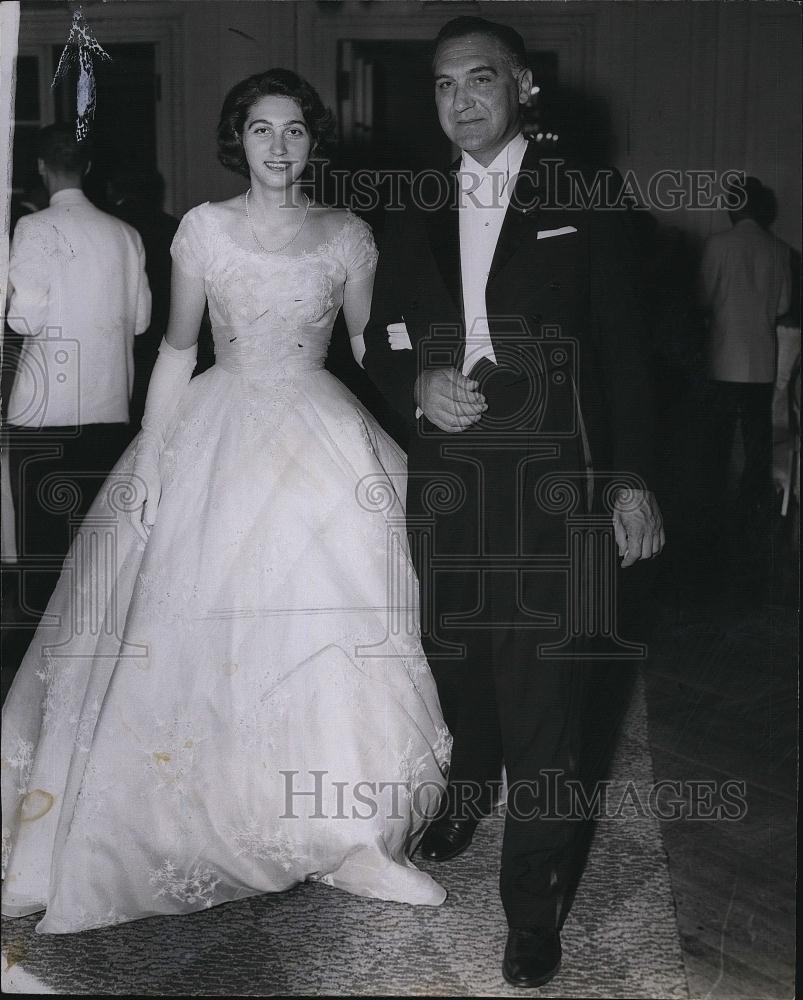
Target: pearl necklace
point(257, 239)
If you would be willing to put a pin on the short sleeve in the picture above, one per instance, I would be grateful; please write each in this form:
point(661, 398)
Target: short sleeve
point(359, 250)
point(189, 248)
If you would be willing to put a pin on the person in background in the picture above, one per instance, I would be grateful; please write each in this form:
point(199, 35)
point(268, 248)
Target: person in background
point(33, 198)
point(785, 433)
point(78, 295)
point(745, 279)
point(136, 195)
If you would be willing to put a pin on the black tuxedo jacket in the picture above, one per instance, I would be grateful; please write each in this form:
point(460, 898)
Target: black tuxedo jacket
point(563, 312)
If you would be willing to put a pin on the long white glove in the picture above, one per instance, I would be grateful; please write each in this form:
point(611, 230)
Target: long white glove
point(171, 375)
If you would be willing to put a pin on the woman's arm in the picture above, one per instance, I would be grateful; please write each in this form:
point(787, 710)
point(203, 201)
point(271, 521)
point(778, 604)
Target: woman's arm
point(187, 304)
point(357, 310)
point(171, 375)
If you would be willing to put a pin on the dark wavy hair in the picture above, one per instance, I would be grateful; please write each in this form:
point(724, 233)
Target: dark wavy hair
point(244, 95)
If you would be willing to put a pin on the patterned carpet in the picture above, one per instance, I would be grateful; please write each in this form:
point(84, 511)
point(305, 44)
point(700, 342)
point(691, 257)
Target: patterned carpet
point(620, 939)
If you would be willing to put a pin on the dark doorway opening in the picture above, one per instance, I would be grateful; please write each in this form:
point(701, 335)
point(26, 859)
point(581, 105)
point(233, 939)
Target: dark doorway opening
point(386, 107)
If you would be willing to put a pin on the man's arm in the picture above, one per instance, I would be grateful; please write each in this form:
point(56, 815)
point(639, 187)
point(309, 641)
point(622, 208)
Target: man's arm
point(28, 278)
point(620, 333)
point(394, 372)
point(444, 395)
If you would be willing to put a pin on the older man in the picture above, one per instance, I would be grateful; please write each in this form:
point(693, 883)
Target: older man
point(526, 361)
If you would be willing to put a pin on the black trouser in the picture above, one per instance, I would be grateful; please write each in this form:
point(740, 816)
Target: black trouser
point(485, 613)
point(750, 405)
point(56, 473)
point(505, 703)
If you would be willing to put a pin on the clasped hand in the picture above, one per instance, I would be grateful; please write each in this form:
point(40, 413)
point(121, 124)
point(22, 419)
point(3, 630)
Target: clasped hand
point(449, 400)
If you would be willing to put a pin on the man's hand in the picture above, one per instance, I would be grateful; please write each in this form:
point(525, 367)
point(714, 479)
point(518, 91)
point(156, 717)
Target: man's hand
point(449, 400)
point(637, 526)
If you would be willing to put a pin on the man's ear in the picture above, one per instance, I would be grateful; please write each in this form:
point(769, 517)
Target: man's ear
point(40, 166)
point(87, 168)
point(525, 85)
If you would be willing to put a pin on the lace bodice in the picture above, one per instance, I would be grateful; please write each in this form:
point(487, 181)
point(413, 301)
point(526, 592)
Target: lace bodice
point(272, 314)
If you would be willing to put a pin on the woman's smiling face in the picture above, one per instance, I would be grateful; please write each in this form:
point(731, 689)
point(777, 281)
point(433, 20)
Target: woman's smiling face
point(276, 141)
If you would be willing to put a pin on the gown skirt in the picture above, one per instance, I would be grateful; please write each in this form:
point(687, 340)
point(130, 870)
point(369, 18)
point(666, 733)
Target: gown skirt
point(238, 701)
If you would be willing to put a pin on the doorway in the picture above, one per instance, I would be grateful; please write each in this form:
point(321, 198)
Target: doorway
point(386, 108)
point(124, 128)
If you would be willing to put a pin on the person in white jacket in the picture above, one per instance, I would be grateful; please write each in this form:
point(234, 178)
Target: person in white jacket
point(78, 294)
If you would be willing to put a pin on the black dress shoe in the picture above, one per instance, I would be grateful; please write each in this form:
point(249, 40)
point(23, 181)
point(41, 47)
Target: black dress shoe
point(532, 956)
point(446, 838)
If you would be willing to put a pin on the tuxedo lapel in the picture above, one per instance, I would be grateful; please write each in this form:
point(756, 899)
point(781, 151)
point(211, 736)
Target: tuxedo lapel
point(522, 213)
point(443, 231)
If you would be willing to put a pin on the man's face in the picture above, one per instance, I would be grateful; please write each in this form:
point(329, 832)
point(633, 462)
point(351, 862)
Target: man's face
point(478, 95)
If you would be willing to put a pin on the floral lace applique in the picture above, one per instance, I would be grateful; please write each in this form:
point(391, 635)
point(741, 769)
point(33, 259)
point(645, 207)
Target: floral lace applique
point(87, 920)
point(443, 748)
point(412, 766)
point(59, 679)
point(198, 887)
point(254, 842)
point(21, 762)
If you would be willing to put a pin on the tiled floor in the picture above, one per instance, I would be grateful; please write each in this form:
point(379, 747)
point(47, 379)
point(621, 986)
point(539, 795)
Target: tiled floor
point(722, 699)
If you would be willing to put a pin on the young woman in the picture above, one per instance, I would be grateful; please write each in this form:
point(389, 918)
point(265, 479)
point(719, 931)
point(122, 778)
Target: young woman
point(239, 711)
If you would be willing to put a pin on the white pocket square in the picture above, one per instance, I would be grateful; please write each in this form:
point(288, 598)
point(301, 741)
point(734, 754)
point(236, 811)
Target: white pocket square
point(544, 234)
point(398, 337)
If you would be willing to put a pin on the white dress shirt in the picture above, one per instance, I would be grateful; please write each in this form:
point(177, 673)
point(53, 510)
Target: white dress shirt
point(484, 197)
point(79, 294)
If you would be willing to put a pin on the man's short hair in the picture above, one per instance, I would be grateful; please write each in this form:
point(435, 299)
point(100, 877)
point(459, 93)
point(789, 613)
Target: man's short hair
point(60, 150)
point(510, 40)
point(745, 199)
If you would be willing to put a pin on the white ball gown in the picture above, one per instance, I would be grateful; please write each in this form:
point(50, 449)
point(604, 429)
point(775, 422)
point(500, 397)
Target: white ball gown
point(184, 694)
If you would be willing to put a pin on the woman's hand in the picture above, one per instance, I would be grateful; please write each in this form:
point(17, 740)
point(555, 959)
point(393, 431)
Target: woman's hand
point(147, 485)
